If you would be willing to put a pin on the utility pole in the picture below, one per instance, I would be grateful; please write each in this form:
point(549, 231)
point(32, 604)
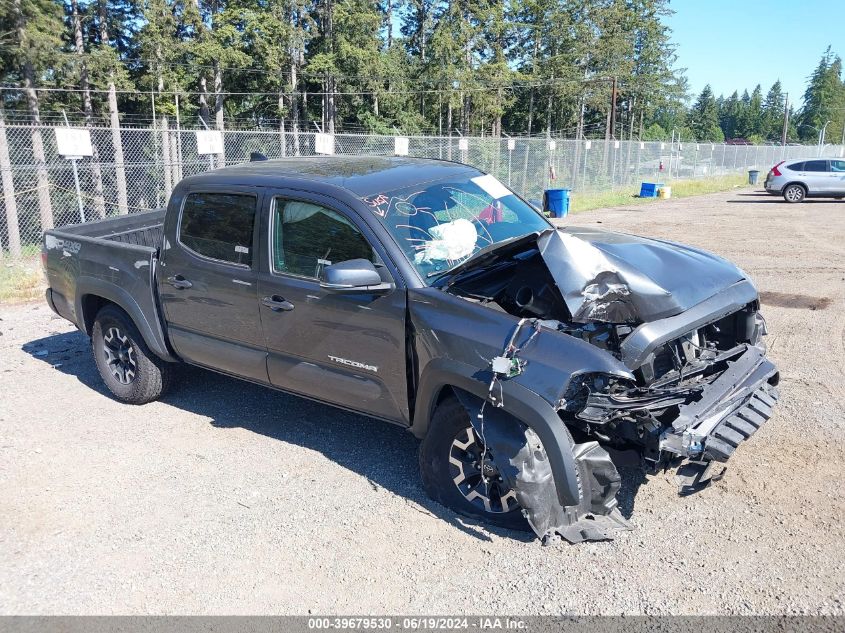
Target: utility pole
point(611, 114)
point(613, 111)
point(785, 119)
point(609, 124)
point(842, 142)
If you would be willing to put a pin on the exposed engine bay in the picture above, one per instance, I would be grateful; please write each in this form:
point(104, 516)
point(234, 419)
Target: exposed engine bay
point(689, 396)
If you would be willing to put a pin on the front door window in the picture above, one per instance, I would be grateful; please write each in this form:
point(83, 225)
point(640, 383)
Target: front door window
point(308, 237)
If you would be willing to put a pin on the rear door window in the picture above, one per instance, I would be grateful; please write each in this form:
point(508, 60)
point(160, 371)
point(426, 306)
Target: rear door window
point(219, 226)
point(815, 165)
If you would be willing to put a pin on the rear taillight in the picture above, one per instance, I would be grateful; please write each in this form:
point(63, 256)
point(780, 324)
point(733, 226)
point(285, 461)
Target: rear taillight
point(44, 260)
point(775, 171)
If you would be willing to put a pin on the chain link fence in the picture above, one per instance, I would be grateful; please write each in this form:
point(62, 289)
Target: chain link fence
point(134, 169)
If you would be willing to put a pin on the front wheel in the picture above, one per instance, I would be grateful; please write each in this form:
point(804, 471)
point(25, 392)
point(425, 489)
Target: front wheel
point(130, 370)
point(458, 472)
point(794, 193)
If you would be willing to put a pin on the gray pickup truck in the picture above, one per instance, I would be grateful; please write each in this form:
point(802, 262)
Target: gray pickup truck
point(427, 294)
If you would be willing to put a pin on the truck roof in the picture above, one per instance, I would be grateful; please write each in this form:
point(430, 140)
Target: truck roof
point(362, 175)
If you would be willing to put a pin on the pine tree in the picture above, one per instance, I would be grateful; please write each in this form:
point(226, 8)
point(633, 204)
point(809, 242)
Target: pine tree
point(773, 107)
point(34, 27)
point(824, 99)
point(729, 115)
point(704, 118)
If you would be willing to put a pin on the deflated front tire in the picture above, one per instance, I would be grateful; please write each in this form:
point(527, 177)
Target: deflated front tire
point(452, 459)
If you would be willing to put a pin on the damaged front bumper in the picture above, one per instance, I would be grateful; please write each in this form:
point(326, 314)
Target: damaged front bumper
point(712, 421)
point(729, 411)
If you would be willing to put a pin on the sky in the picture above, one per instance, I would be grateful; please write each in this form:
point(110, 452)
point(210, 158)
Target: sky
point(736, 44)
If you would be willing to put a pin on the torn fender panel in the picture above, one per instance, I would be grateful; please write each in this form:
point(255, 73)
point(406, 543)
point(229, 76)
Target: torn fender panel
point(522, 461)
point(619, 278)
point(444, 342)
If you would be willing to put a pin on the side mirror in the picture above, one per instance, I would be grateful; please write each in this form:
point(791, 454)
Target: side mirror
point(354, 275)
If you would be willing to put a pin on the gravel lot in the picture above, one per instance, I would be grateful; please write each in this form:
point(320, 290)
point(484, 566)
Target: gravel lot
point(227, 498)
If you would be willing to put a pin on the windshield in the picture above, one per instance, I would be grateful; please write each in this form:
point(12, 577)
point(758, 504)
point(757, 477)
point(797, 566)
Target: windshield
point(440, 224)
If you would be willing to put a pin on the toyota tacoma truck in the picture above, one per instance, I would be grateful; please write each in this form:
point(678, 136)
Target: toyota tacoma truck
point(427, 294)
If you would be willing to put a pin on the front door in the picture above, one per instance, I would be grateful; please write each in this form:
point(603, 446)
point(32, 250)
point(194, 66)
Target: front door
point(348, 349)
point(837, 176)
point(208, 282)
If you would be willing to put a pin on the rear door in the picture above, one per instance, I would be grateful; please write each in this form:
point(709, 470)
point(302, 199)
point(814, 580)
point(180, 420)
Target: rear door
point(816, 176)
point(208, 281)
point(347, 349)
point(837, 176)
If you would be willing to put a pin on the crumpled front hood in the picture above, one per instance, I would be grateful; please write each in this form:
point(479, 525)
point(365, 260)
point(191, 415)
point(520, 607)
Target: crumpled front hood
point(619, 278)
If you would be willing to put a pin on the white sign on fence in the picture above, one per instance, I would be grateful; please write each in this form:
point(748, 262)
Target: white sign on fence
point(400, 145)
point(552, 146)
point(588, 144)
point(324, 144)
point(511, 144)
point(73, 142)
point(463, 144)
point(209, 142)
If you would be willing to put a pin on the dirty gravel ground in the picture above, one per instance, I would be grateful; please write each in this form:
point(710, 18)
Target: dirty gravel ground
point(227, 498)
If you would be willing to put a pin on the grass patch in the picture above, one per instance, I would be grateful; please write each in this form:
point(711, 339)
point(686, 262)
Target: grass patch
point(21, 281)
point(680, 189)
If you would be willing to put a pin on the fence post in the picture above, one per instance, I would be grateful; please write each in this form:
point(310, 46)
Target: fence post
point(97, 176)
point(45, 204)
point(165, 156)
point(174, 156)
point(9, 193)
point(117, 147)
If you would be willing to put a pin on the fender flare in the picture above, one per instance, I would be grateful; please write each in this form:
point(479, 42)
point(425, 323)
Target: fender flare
point(519, 402)
point(152, 333)
point(796, 182)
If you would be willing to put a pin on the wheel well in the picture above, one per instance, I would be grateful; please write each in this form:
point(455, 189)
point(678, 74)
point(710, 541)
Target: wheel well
point(800, 184)
point(443, 392)
point(91, 305)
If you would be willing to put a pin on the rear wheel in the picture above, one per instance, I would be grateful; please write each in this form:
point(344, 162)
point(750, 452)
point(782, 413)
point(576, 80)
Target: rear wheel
point(130, 370)
point(458, 472)
point(794, 193)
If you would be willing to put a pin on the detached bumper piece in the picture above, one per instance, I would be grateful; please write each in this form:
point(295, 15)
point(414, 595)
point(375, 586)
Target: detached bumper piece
point(597, 517)
point(741, 425)
point(522, 462)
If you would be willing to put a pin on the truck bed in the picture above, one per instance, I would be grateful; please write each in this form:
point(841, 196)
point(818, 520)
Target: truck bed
point(113, 259)
point(140, 229)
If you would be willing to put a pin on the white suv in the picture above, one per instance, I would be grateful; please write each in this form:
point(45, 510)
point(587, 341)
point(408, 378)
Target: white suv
point(807, 178)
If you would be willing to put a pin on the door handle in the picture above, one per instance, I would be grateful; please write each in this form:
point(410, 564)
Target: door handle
point(277, 303)
point(178, 281)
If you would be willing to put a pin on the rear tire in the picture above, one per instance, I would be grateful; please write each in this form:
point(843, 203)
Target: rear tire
point(127, 366)
point(794, 193)
point(450, 437)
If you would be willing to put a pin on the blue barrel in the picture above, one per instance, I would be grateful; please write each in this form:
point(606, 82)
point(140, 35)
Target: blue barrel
point(649, 189)
point(556, 202)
